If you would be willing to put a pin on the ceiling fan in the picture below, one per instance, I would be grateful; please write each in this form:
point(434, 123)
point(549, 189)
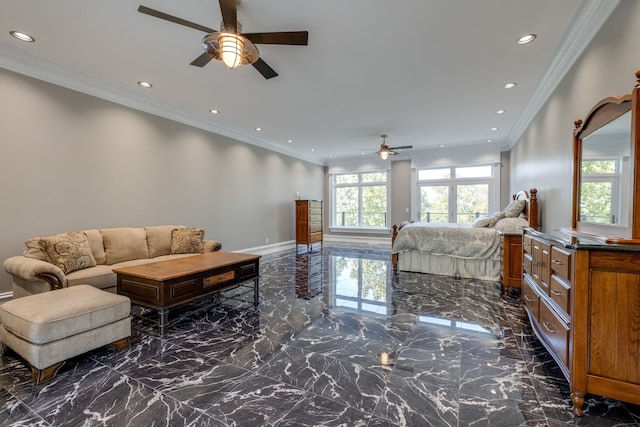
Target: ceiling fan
point(230, 45)
point(386, 151)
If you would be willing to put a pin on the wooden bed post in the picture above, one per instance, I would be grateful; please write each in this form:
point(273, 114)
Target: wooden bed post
point(532, 209)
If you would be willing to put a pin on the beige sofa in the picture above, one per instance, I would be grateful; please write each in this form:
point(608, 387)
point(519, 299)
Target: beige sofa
point(89, 256)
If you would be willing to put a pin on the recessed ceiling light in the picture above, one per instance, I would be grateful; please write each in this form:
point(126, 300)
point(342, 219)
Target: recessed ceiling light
point(442, 145)
point(214, 111)
point(289, 141)
point(259, 129)
point(510, 85)
point(489, 140)
point(313, 149)
point(22, 36)
point(527, 39)
point(331, 157)
point(362, 154)
point(144, 84)
point(501, 111)
point(494, 128)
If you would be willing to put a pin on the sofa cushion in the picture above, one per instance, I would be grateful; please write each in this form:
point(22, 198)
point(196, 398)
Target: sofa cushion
point(123, 244)
point(69, 251)
point(58, 314)
point(159, 239)
point(100, 276)
point(187, 241)
point(96, 244)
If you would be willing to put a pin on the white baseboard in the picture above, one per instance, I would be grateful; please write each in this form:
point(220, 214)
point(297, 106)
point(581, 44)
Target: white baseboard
point(268, 249)
point(330, 238)
point(368, 240)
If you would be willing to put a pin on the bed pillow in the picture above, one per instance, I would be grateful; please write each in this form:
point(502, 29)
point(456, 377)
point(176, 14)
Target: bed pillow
point(187, 241)
point(69, 251)
point(488, 221)
point(514, 208)
point(511, 225)
point(481, 221)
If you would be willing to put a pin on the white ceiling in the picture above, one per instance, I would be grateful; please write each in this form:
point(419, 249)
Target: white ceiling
point(425, 72)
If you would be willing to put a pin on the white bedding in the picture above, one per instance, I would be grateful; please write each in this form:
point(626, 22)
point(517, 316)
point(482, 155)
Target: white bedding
point(457, 250)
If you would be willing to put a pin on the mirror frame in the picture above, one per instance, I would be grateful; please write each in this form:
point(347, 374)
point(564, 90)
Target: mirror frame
point(601, 114)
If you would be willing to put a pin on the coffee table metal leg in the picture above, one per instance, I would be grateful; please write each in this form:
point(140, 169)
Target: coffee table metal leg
point(164, 317)
point(256, 295)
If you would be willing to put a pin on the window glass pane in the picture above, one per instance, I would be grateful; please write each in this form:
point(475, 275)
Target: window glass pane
point(426, 174)
point(596, 202)
point(374, 177)
point(346, 214)
point(347, 179)
point(591, 167)
point(474, 172)
point(374, 206)
point(434, 203)
point(472, 201)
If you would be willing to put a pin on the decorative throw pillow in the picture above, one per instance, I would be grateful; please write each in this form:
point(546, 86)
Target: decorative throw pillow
point(511, 225)
point(187, 241)
point(494, 218)
point(514, 208)
point(481, 222)
point(37, 248)
point(70, 251)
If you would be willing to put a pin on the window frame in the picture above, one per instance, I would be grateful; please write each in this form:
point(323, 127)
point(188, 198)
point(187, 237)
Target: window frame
point(452, 182)
point(333, 226)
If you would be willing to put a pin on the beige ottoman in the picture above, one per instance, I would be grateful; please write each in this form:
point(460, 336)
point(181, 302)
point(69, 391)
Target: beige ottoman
point(48, 328)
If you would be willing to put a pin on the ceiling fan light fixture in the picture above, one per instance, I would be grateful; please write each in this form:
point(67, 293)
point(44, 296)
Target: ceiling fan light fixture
point(384, 154)
point(232, 49)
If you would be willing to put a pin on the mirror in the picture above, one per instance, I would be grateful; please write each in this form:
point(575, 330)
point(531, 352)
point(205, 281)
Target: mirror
point(604, 174)
point(605, 179)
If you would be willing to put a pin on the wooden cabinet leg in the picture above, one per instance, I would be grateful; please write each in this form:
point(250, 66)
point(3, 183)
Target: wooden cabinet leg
point(121, 344)
point(578, 403)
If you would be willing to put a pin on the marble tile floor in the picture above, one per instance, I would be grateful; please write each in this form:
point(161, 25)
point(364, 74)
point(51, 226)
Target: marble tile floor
point(337, 340)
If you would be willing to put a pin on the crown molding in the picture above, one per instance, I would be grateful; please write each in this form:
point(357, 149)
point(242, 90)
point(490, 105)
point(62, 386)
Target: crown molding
point(588, 21)
point(50, 72)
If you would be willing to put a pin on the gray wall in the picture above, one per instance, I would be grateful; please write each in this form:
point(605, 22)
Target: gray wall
point(542, 157)
point(69, 161)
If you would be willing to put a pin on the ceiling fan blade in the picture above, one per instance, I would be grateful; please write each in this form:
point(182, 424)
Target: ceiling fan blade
point(229, 9)
point(202, 60)
point(281, 37)
point(404, 147)
point(170, 18)
point(264, 69)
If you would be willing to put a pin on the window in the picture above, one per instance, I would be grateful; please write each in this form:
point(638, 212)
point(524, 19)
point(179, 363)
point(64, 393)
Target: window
point(360, 200)
point(599, 190)
point(457, 194)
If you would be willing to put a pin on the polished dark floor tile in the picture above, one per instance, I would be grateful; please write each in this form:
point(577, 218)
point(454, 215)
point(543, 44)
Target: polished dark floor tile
point(337, 340)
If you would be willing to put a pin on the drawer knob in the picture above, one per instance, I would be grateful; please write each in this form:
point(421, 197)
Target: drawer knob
point(556, 293)
point(526, 297)
point(546, 326)
point(556, 262)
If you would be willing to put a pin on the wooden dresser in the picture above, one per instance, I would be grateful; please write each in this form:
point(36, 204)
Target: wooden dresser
point(583, 301)
point(511, 261)
point(308, 222)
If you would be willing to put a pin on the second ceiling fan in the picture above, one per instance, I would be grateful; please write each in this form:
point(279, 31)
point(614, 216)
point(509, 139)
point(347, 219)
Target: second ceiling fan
point(385, 151)
point(230, 45)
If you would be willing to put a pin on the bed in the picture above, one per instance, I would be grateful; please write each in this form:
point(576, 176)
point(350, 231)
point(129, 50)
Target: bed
point(462, 250)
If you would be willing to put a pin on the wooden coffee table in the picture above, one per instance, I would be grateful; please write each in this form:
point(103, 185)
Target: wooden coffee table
point(164, 285)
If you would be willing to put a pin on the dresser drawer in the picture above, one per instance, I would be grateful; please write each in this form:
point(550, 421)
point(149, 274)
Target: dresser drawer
point(560, 293)
point(315, 218)
point(315, 204)
point(526, 244)
point(315, 227)
point(526, 263)
point(315, 237)
point(540, 265)
point(556, 332)
point(561, 263)
point(531, 299)
point(315, 211)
